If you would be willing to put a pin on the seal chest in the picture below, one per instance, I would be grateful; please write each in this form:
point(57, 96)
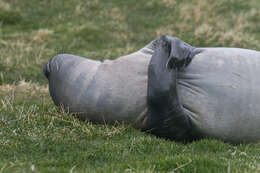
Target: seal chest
point(220, 90)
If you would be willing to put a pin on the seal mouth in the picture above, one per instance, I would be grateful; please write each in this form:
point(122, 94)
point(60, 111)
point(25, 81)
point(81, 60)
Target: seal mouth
point(46, 70)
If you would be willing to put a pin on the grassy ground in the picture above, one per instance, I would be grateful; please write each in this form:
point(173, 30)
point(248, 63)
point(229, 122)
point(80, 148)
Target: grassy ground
point(36, 137)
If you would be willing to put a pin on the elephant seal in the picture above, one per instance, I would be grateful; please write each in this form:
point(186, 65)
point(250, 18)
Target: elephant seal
point(168, 88)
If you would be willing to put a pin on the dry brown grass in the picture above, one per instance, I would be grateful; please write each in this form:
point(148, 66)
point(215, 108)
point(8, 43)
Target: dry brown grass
point(202, 20)
point(41, 35)
point(4, 5)
point(27, 89)
point(216, 27)
point(169, 2)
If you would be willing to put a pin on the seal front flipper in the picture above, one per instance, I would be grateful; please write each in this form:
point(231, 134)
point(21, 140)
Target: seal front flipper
point(181, 53)
point(166, 117)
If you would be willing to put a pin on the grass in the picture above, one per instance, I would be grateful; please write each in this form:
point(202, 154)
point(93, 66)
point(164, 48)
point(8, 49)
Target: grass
point(36, 137)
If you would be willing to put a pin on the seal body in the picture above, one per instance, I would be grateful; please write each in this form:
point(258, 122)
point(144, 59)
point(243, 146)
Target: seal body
point(218, 91)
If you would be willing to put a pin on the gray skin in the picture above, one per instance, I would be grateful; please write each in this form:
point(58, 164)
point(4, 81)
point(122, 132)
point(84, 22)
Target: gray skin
point(168, 88)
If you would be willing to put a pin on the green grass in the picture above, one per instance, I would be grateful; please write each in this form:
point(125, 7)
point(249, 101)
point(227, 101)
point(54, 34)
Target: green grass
point(36, 137)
